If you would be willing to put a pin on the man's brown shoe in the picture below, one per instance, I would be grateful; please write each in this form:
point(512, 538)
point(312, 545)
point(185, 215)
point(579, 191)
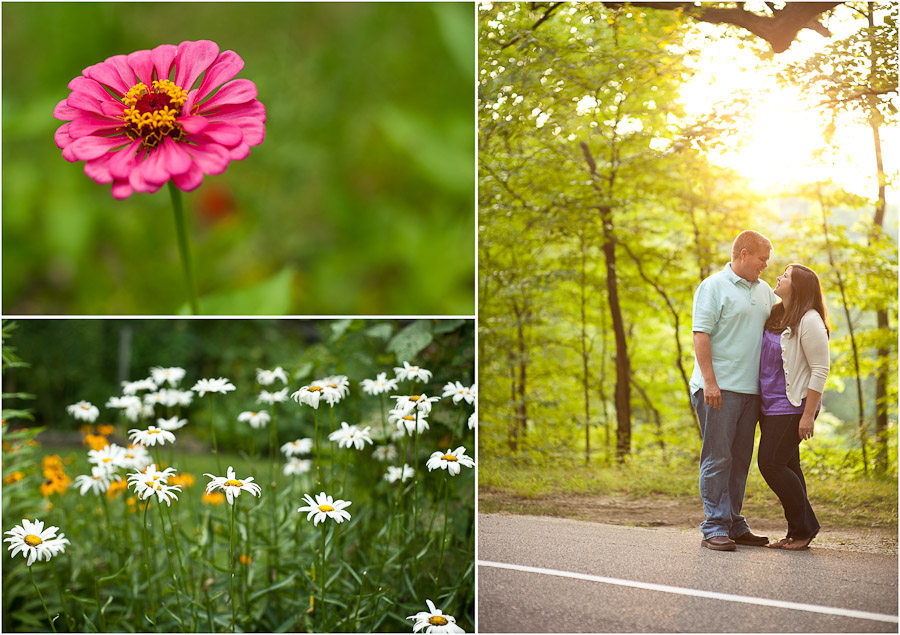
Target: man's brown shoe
point(752, 540)
point(719, 543)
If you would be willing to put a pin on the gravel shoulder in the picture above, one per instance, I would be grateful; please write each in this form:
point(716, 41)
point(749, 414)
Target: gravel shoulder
point(680, 513)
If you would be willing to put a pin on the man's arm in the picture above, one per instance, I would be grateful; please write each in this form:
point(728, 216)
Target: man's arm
point(712, 396)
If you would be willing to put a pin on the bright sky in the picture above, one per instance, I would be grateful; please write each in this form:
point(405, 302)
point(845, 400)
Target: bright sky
point(778, 146)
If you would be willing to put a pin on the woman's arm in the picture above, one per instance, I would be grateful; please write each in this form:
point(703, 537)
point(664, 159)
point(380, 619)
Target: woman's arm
point(808, 419)
point(814, 343)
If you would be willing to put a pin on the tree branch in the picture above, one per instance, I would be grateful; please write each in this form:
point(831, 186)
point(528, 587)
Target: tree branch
point(553, 7)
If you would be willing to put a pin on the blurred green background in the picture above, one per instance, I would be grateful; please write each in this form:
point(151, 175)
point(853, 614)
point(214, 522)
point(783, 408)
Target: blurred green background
point(361, 199)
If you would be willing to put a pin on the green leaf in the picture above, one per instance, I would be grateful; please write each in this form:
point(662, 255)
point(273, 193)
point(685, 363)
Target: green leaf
point(338, 328)
point(269, 297)
point(411, 340)
point(381, 331)
point(288, 580)
point(446, 326)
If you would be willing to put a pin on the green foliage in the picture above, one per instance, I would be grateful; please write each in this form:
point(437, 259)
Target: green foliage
point(359, 201)
point(378, 572)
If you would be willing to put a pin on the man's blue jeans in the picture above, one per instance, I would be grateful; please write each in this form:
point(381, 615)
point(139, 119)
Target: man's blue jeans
point(725, 460)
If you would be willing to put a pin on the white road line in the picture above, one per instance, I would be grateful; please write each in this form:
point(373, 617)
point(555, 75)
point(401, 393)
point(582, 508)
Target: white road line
point(796, 606)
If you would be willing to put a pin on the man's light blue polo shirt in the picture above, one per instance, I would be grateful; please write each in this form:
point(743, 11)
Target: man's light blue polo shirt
point(734, 312)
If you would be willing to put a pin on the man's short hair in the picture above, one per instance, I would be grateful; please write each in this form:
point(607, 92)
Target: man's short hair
point(752, 241)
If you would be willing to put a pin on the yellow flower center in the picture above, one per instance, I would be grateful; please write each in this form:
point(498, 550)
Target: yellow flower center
point(32, 541)
point(234, 483)
point(409, 418)
point(153, 431)
point(332, 385)
point(150, 114)
point(449, 457)
point(314, 389)
point(437, 620)
point(326, 508)
point(107, 460)
point(85, 407)
point(415, 398)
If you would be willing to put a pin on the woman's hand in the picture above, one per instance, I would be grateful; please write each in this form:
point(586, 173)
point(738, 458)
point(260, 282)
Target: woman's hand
point(807, 422)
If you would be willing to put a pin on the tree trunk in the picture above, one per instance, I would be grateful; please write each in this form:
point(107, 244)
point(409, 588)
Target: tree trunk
point(585, 357)
point(623, 365)
point(521, 403)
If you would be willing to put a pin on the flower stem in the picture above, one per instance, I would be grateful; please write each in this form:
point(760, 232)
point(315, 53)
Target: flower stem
point(324, 579)
point(162, 524)
point(145, 536)
point(316, 439)
point(444, 533)
point(212, 429)
point(46, 610)
point(233, 613)
point(183, 246)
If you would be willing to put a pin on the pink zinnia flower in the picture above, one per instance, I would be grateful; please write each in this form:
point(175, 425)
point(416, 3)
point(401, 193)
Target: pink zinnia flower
point(138, 121)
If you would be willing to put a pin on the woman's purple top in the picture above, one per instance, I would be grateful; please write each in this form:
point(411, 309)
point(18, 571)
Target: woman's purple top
point(772, 391)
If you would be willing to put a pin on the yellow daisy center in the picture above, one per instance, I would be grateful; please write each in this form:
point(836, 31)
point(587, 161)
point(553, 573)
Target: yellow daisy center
point(326, 508)
point(314, 389)
point(151, 113)
point(32, 541)
point(153, 431)
point(85, 407)
point(415, 398)
point(437, 620)
point(409, 418)
point(107, 460)
point(234, 483)
point(332, 385)
point(449, 457)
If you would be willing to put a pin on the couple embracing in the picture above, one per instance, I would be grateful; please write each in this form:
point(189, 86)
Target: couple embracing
point(761, 356)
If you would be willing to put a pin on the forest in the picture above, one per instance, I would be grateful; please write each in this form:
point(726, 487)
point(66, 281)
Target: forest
point(602, 207)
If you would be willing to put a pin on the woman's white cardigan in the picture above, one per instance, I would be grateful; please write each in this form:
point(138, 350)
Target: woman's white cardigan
point(805, 357)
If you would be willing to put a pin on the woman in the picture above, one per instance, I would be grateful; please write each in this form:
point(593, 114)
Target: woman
point(793, 367)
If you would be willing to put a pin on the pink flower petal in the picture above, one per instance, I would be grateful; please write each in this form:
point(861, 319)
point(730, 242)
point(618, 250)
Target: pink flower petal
point(238, 91)
point(107, 75)
point(226, 66)
point(192, 60)
point(122, 162)
point(120, 62)
point(87, 148)
point(136, 180)
point(239, 152)
point(90, 87)
point(112, 108)
point(85, 102)
point(61, 136)
point(178, 161)
point(254, 130)
point(153, 169)
point(142, 64)
point(64, 112)
point(190, 180)
point(163, 56)
point(252, 108)
point(193, 124)
point(121, 190)
point(84, 126)
point(225, 134)
point(98, 170)
point(212, 158)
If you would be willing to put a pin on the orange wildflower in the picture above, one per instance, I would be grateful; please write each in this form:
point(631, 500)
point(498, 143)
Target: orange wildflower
point(96, 441)
point(15, 477)
point(245, 559)
point(216, 498)
point(116, 488)
point(52, 465)
point(105, 429)
point(184, 479)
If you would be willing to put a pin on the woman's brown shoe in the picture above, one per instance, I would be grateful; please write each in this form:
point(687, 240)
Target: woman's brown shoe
point(779, 544)
point(798, 545)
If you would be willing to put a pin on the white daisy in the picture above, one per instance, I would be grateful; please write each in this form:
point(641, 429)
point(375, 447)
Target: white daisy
point(151, 436)
point(154, 398)
point(434, 621)
point(255, 419)
point(138, 411)
point(380, 384)
point(171, 376)
point(98, 480)
point(450, 461)
point(297, 466)
point(340, 383)
point(422, 403)
point(135, 457)
point(399, 473)
point(34, 542)
point(272, 397)
point(109, 458)
point(232, 486)
point(312, 394)
point(385, 453)
point(84, 411)
point(128, 401)
point(151, 481)
point(351, 435)
point(133, 387)
point(408, 421)
point(171, 424)
point(473, 421)
point(300, 446)
point(268, 377)
point(324, 507)
point(414, 373)
point(459, 392)
point(220, 385)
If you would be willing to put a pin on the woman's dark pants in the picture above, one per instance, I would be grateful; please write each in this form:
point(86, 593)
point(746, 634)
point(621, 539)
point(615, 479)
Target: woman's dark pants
point(779, 462)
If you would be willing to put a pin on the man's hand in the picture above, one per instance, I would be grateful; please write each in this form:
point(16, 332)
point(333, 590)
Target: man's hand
point(807, 423)
point(712, 396)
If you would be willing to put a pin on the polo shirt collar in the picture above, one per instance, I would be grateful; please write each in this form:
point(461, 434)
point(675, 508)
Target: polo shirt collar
point(736, 279)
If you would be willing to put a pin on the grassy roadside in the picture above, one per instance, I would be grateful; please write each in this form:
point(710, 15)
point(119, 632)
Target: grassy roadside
point(583, 492)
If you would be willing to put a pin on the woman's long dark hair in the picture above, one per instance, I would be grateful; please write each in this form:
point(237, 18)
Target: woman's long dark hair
point(806, 294)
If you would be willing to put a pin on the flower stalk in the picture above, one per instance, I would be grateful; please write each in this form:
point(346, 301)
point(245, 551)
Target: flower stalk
point(183, 245)
point(40, 595)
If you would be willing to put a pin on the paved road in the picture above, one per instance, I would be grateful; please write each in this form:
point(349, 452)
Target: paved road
point(572, 576)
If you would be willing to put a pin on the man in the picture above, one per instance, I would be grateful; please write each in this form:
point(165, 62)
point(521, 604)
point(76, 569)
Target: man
point(730, 311)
